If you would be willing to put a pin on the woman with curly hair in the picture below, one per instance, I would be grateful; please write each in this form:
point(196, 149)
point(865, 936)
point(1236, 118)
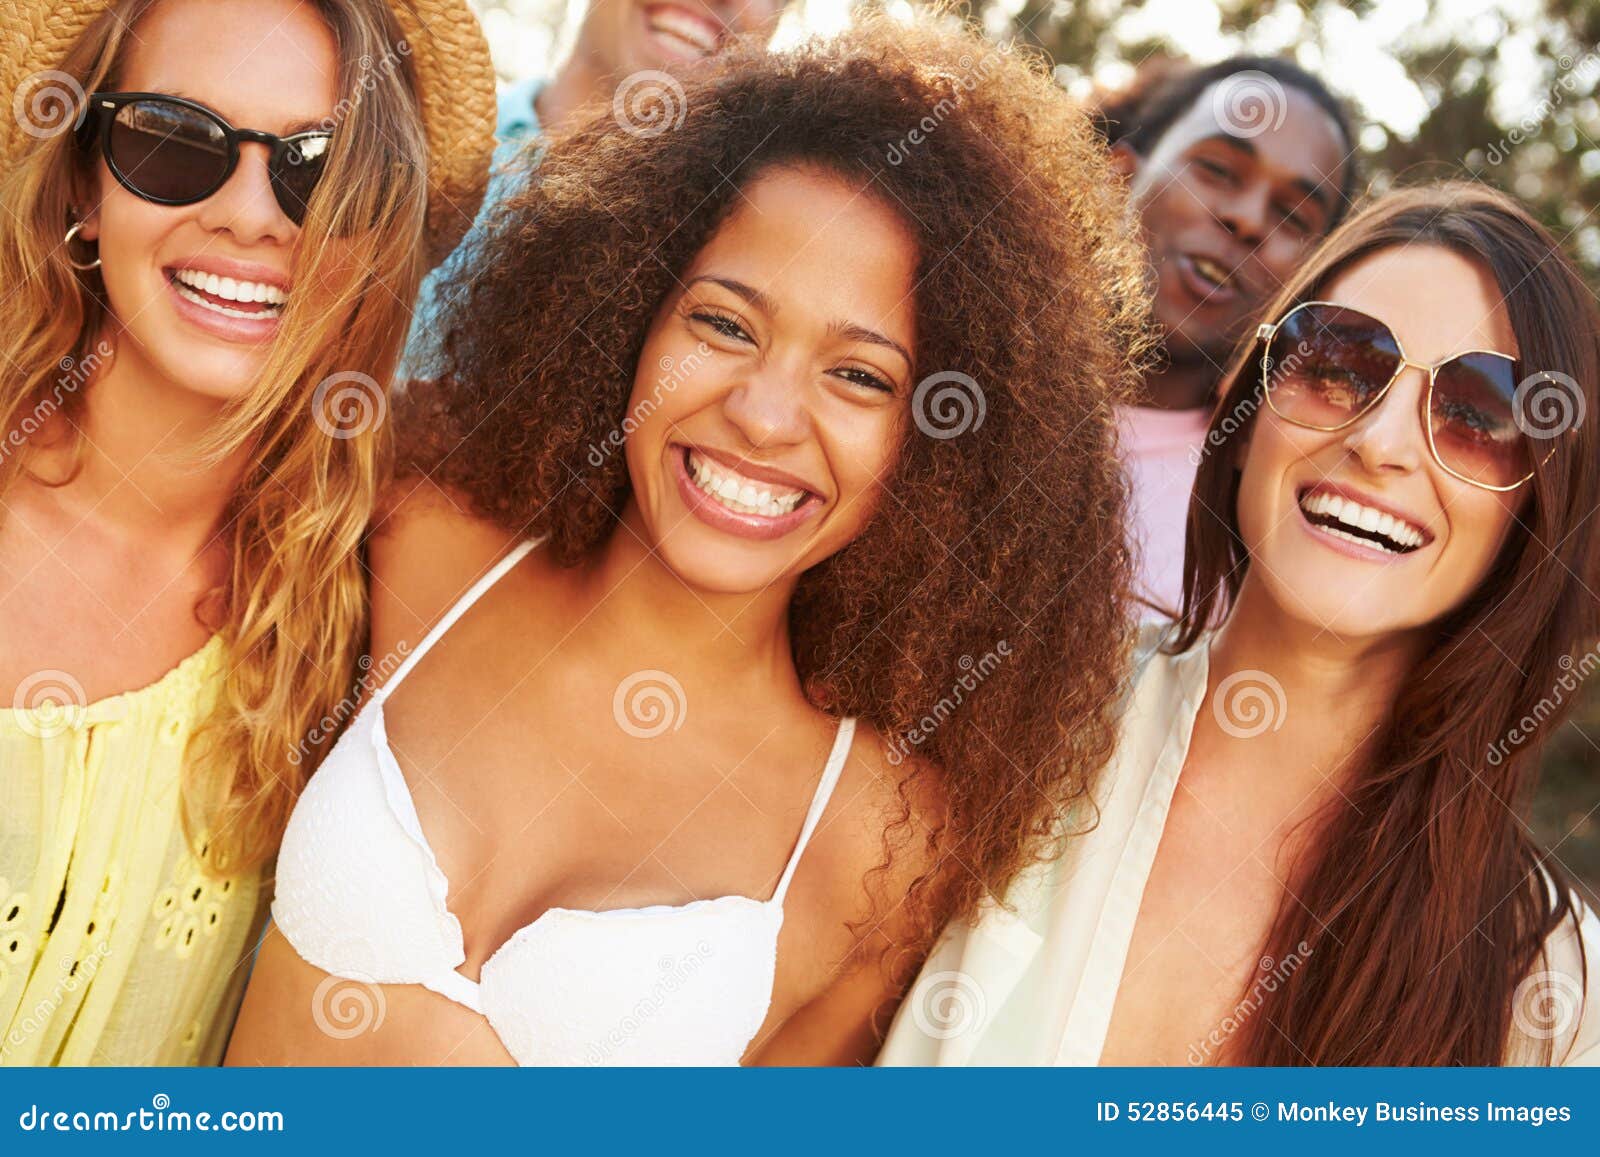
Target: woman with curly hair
point(214, 220)
point(1312, 844)
point(774, 455)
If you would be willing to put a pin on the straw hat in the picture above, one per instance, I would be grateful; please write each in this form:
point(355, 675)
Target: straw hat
point(442, 38)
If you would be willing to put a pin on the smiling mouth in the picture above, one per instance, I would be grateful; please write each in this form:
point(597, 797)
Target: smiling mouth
point(229, 297)
point(693, 34)
point(1211, 273)
point(1363, 525)
point(739, 494)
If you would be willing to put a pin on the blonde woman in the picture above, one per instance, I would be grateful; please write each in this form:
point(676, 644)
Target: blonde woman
point(218, 212)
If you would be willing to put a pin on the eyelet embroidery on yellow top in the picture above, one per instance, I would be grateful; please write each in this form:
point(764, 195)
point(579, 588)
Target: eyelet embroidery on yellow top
point(194, 904)
point(118, 947)
point(15, 948)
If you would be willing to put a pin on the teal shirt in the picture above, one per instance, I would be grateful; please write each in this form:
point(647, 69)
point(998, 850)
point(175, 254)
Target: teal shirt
point(516, 127)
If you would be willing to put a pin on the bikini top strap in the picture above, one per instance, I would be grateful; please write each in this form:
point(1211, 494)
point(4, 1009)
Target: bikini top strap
point(819, 802)
point(457, 609)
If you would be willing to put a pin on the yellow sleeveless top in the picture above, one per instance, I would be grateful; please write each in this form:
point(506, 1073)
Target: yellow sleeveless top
point(115, 947)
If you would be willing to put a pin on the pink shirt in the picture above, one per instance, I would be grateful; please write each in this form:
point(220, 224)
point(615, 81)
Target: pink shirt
point(1161, 450)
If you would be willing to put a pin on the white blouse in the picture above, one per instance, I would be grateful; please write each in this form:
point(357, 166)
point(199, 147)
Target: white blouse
point(1037, 986)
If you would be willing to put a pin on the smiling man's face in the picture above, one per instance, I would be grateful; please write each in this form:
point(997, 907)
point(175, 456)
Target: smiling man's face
point(1228, 215)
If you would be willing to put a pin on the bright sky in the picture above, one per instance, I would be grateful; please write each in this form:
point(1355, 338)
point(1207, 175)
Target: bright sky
point(1354, 52)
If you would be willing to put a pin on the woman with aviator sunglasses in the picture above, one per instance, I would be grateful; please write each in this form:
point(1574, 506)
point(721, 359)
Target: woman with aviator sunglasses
point(198, 321)
point(1311, 847)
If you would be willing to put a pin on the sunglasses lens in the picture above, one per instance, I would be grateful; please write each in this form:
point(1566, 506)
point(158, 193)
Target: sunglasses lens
point(1474, 423)
point(297, 170)
point(167, 152)
point(1329, 364)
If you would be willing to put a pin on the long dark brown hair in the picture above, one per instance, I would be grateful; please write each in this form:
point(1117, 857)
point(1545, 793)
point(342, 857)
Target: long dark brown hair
point(1422, 898)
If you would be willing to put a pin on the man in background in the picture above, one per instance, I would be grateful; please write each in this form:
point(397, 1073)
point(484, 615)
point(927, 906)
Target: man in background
point(1236, 170)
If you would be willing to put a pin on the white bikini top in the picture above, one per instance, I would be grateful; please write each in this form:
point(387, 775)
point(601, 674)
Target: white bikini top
point(360, 895)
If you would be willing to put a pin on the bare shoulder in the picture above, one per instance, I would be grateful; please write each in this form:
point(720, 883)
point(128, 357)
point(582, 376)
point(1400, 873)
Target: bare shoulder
point(425, 549)
point(880, 842)
point(889, 807)
point(879, 839)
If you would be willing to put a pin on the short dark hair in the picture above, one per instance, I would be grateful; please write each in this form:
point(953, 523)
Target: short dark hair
point(1141, 122)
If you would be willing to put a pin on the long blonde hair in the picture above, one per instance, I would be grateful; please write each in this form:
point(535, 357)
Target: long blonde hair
point(292, 610)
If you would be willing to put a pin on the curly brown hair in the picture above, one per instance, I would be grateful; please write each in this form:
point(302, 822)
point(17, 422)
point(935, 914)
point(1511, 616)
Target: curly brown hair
point(1006, 540)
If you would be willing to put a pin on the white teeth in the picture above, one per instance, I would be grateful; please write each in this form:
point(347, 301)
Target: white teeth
point(1210, 270)
point(738, 493)
point(684, 27)
point(230, 289)
point(189, 294)
point(1401, 534)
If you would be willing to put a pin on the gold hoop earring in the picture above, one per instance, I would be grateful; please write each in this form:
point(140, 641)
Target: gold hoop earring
point(66, 245)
